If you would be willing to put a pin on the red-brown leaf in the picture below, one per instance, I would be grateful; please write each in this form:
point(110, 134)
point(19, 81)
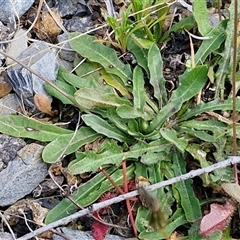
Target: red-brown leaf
point(217, 219)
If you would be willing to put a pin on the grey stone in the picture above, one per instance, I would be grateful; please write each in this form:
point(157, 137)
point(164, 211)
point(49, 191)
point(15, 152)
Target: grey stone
point(65, 64)
point(8, 149)
point(9, 104)
point(67, 53)
point(22, 175)
point(75, 234)
point(6, 236)
point(65, 8)
point(78, 24)
point(9, 8)
point(40, 58)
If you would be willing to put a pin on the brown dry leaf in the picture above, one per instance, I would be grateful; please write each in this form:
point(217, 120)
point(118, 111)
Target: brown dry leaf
point(12, 213)
point(5, 87)
point(233, 190)
point(217, 219)
point(43, 104)
point(46, 27)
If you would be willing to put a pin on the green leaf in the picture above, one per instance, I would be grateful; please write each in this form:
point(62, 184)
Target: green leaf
point(172, 107)
point(201, 156)
point(190, 84)
point(88, 70)
point(88, 193)
point(140, 54)
point(141, 42)
point(20, 126)
point(209, 125)
point(155, 65)
point(201, 15)
point(128, 112)
point(176, 220)
point(83, 136)
point(93, 160)
point(102, 126)
point(208, 107)
point(225, 64)
point(138, 89)
point(171, 136)
point(68, 89)
point(217, 36)
point(87, 47)
point(77, 81)
point(114, 155)
point(115, 82)
point(189, 202)
point(198, 134)
point(91, 98)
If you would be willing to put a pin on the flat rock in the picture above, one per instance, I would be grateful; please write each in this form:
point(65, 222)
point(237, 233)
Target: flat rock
point(65, 8)
point(67, 52)
point(9, 8)
point(9, 147)
point(9, 104)
point(22, 175)
point(40, 58)
point(77, 24)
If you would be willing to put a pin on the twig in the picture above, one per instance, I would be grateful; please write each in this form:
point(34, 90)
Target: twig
point(7, 224)
point(230, 161)
point(80, 207)
point(41, 77)
point(120, 191)
point(32, 25)
point(234, 104)
point(125, 187)
point(63, 235)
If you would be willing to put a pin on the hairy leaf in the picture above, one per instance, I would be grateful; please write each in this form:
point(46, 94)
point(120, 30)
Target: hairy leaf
point(155, 65)
point(67, 88)
point(208, 107)
point(95, 98)
point(71, 142)
point(138, 89)
point(201, 15)
point(102, 126)
point(190, 84)
point(189, 202)
point(171, 136)
point(217, 36)
point(87, 47)
point(20, 126)
point(88, 193)
point(114, 155)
